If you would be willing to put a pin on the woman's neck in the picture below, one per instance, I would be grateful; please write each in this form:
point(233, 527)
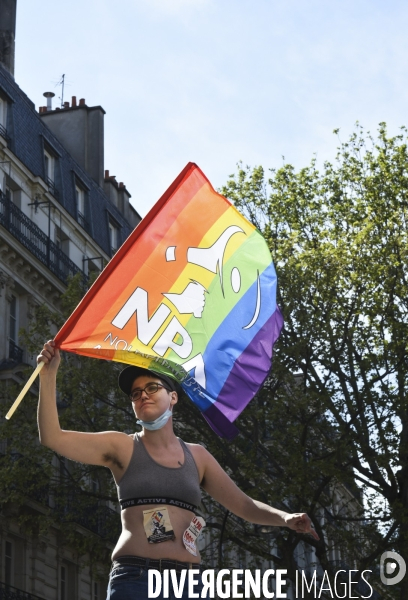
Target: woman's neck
point(163, 437)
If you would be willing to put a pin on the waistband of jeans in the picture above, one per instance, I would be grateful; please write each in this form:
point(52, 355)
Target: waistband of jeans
point(153, 563)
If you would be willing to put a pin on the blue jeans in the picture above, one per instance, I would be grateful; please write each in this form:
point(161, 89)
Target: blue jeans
point(128, 582)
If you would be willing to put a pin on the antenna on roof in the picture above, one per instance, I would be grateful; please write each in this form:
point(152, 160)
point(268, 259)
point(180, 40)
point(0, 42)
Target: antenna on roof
point(61, 82)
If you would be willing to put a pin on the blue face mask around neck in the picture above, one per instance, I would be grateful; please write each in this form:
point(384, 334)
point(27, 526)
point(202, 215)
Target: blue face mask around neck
point(157, 423)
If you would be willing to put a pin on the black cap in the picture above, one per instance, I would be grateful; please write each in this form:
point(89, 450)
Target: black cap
point(129, 374)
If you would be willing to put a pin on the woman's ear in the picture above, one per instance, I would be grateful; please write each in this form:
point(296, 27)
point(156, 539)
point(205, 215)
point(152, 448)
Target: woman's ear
point(174, 398)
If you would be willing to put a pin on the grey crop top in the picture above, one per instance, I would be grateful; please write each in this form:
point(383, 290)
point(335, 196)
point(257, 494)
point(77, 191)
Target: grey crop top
point(147, 482)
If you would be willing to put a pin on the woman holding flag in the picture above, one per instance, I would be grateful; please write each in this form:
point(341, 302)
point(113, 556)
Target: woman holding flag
point(158, 477)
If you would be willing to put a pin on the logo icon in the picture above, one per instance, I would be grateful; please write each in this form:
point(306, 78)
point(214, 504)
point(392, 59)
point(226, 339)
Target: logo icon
point(389, 573)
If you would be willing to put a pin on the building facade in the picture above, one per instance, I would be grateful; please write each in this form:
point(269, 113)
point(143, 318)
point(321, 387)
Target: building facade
point(61, 214)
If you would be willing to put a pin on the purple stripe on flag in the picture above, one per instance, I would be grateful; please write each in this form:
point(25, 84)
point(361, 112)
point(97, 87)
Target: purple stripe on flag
point(219, 423)
point(231, 339)
point(250, 369)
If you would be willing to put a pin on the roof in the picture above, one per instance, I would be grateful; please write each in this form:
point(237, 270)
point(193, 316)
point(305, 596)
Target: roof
point(28, 133)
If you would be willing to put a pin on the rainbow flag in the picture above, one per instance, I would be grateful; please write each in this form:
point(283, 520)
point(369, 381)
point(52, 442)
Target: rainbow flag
point(192, 294)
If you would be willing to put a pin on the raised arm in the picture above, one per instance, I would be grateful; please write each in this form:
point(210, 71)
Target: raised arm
point(106, 448)
point(220, 486)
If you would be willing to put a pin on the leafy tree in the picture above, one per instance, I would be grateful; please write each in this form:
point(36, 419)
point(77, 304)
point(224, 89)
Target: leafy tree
point(338, 237)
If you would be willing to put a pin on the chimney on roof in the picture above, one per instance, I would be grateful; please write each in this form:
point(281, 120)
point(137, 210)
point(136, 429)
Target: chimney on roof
point(49, 96)
point(81, 132)
point(7, 34)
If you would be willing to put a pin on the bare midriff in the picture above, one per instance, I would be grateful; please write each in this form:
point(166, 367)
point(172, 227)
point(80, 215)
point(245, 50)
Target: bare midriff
point(133, 540)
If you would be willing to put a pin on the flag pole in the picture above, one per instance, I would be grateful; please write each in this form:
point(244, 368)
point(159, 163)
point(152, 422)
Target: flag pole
point(25, 390)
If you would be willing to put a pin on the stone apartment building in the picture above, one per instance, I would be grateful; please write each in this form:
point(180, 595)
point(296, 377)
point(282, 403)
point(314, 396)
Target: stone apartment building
point(61, 214)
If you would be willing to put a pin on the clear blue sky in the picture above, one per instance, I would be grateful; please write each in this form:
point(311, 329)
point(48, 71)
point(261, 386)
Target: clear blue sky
point(218, 81)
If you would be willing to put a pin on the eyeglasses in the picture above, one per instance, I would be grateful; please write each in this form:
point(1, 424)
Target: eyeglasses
point(150, 389)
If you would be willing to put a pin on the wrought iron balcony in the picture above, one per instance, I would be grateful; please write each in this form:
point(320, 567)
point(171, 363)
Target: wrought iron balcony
point(67, 503)
point(82, 221)
point(8, 592)
point(36, 241)
point(98, 518)
point(15, 352)
point(52, 189)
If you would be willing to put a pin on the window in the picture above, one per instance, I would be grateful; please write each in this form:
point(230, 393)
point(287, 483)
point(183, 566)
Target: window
point(80, 200)
point(13, 552)
point(94, 483)
point(3, 112)
point(13, 326)
point(4, 104)
point(81, 206)
point(8, 563)
point(67, 581)
point(62, 240)
point(9, 193)
point(60, 254)
point(49, 161)
point(113, 237)
point(63, 583)
point(52, 175)
point(95, 266)
point(13, 193)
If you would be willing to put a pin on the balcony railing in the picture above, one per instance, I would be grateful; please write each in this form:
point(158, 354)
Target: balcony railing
point(15, 352)
point(98, 518)
point(82, 221)
point(52, 189)
point(67, 504)
point(8, 592)
point(36, 241)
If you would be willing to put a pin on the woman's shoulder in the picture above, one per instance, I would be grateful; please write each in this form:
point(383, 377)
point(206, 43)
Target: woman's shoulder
point(198, 451)
point(190, 445)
